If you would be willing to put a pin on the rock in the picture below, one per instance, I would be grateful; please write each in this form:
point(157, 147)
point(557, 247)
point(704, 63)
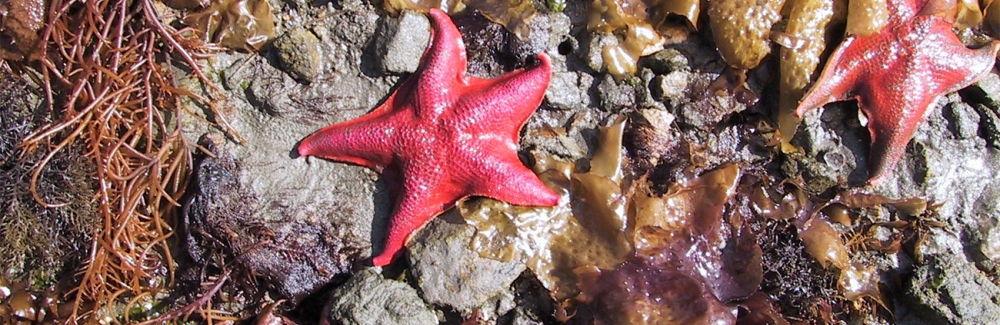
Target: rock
point(949, 290)
point(989, 124)
point(963, 120)
point(671, 88)
point(319, 218)
point(593, 47)
point(615, 95)
point(451, 274)
point(568, 90)
point(400, 41)
point(303, 254)
point(298, 54)
point(707, 112)
point(665, 61)
point(368, 298)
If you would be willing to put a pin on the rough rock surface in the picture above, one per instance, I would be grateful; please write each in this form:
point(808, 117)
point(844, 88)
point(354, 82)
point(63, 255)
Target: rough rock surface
point(298, 54)
point(400, 41)
point(306, 203)
point(291, 257)
point(369, 299)
point(676, 122)
point(949, 290)
point(449, 274)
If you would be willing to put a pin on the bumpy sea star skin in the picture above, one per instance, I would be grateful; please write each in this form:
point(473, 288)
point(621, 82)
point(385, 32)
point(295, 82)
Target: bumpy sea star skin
point(896, 74)
point(443, 136)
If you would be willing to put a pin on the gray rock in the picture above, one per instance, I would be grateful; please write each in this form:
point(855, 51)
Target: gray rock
point(666, 61)
point(963, 120)
point(949, 290)
point(990, 85)
point(317, 210)
point(449, 273)
point(593, 49)
point(303, 254)
point(298, 54)
point(989, 124)
point(615, 95)
point(709, 111)
point(672, 87)
point(369, 299)
point(568, 90)
point(399, 42)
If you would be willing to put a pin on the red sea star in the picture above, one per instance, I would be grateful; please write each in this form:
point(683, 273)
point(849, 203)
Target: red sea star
point(896, 74)
point(443, 136)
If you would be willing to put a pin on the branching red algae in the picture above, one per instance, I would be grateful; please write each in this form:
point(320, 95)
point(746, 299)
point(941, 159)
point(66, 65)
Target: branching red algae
point(100, 65)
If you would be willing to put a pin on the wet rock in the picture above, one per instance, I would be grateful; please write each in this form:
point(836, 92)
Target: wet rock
point(316, 218)
point(615, 95)
point(665, 61)
point(950, 290)
point(672, 87)
point(830, 134)
point(400, 41)
point(989, 124)
point(298, 54)
point(963, 120)
point(709, 111)
point(568, 90)
point(290, 257)
point(990, 86)
point(368, 298)
point(593, 47)
point(451, 274)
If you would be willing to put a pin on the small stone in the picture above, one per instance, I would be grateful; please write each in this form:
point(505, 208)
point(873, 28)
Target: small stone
point(671, 87)
point(990, 85)
point(594, 47)
point(449, 273)
point(298, 54)
point(665, 61)
point(708, 112)
point(989, 125)
point(399, 42)
point(368, 298)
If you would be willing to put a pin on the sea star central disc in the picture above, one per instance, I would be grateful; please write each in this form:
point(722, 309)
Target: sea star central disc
point(443, 136)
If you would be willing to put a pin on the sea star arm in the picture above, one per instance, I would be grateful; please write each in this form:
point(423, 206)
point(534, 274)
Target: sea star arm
point(422, 197)
point(500, 175)
point(834, 83)
point(443, 65)
point(511, 97)
point(362, 141)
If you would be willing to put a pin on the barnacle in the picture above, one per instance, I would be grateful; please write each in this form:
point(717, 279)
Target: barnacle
point(236, 24)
